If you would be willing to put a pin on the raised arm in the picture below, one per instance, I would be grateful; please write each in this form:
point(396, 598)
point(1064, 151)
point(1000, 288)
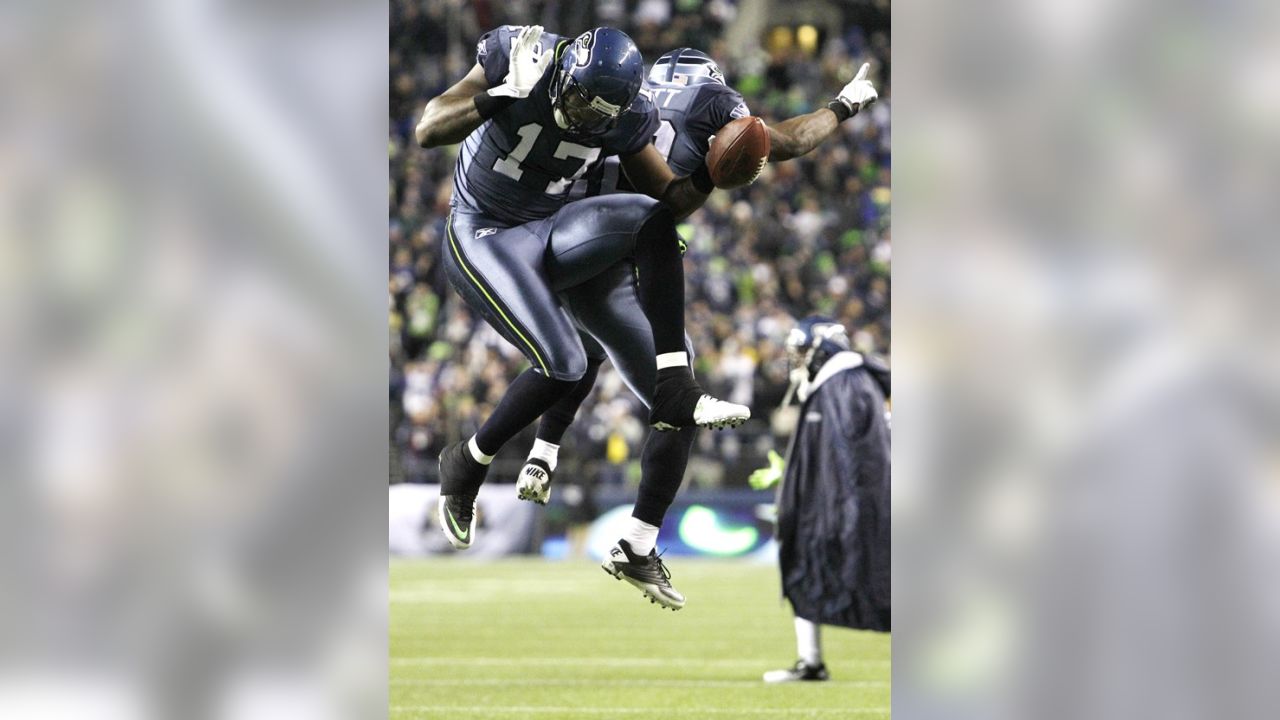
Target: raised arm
point(797, 136)
point(451, 116)
point(649, 174)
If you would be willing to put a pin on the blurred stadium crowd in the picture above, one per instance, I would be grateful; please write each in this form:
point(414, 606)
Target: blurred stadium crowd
point(810, 235)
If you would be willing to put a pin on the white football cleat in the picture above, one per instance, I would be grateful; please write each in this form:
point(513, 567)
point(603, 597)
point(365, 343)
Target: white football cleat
point(718, 414)
point(534, 483)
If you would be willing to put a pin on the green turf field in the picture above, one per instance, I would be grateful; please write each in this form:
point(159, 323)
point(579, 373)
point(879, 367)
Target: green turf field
point(529, 638)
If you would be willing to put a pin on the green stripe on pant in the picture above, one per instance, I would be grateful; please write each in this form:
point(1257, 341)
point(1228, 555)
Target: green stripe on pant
point(462, 263)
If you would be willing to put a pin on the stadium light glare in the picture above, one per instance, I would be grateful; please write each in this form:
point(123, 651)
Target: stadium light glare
point(807, 38)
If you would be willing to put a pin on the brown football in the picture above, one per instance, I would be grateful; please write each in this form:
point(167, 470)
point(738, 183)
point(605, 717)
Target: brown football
point(738, 152)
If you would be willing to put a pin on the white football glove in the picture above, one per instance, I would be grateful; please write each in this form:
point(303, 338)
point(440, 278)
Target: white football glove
point(526, 66)
point(858, 93)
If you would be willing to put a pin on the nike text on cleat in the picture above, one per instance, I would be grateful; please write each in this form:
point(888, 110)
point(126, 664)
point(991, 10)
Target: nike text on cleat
point(801, 672)
point(460, 480)
point(534, 483)
point(646, 572)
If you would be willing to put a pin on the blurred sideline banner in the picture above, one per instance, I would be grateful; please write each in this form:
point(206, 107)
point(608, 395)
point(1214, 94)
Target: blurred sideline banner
point(736, 523)
point(711, 523)
point(505, 524)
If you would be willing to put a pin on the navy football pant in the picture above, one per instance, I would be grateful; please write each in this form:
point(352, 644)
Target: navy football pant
point(509, 274)
point(607, 309)
point(502, 273)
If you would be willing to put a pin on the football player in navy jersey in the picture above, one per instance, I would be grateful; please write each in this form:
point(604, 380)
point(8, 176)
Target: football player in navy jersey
point(693, 103)
point(534, 115)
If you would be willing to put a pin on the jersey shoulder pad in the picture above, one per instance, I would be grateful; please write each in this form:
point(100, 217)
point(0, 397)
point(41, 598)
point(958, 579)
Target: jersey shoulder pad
point(637, 125)
point(644, 101)
point(721, 103)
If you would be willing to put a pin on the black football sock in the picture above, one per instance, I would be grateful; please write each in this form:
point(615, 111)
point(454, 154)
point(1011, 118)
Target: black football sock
point(675, 397)
point(661, 280)
point(557, 420)
point(530, 395)
point(464, 474)
point(665, 456)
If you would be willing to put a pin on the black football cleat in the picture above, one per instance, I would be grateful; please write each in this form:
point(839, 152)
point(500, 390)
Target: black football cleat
point(802, 672)
point(460, 480)
point(645, 572)
point(534, 483)
point(678, 401)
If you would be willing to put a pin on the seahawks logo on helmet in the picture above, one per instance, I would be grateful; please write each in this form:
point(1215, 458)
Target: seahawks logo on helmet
point(582, 48)
point(596, 79)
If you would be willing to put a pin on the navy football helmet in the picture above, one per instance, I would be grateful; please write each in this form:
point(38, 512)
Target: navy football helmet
point(596, 81)
point(685, 66)
point(813, 341)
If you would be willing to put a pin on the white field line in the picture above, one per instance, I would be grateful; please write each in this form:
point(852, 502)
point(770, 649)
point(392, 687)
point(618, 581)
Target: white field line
point(618, 682)
point(562, 710)
point(607, 661)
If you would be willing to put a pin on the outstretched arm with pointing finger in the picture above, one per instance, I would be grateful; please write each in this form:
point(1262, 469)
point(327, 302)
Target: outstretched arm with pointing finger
point(798, 135)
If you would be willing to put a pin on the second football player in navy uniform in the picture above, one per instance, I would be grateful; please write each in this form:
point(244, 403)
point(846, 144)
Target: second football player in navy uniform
point(693, 102)
point(535, 114)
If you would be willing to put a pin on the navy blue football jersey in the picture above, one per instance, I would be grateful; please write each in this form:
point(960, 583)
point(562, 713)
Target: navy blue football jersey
point(688, 116)
point(519, 166)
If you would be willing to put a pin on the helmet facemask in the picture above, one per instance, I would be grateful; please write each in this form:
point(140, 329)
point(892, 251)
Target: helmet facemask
point(575, 109)
point(808, 351)
point(576, 112)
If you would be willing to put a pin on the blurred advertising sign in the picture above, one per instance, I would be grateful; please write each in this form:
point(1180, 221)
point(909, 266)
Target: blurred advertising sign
point(723, 524)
